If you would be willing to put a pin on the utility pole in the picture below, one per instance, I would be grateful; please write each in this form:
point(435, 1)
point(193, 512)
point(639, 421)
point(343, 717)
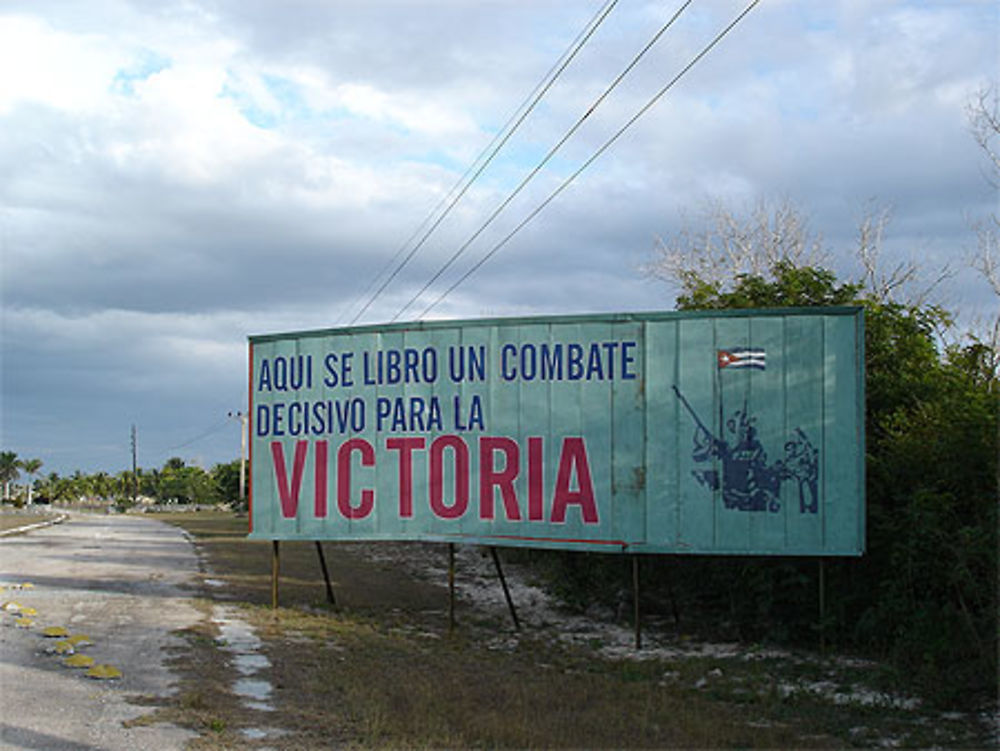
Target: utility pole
point(243, 418)
point(135, 471)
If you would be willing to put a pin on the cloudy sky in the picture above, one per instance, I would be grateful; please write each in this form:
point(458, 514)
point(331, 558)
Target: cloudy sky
point(176, 175)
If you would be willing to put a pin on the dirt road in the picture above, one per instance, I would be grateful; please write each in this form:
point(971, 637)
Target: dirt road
point(124, 583)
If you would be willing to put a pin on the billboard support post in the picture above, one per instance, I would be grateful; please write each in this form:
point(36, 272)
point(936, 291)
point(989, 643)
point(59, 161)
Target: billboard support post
point(822, 607)
point(506, 591)
point(635, 602)
point(326, 574)
point(451, 587)
point(275, 568)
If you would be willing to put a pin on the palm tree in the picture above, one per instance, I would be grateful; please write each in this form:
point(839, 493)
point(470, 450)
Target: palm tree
point(31, 466)
point(9, 471)
point(80, 484)
point(103, 485)
point(50, 486)
point(150, 482)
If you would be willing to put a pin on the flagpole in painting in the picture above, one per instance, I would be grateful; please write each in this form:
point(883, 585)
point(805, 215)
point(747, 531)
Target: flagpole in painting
point(745, 473)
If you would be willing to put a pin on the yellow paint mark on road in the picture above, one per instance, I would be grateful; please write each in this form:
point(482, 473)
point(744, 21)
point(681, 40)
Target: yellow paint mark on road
point(80, 640)
point(55, 632)
point(24, 622)
point(11, 607)
point(28, 612)
point(61, 648)
point(104, 672)
point(79, 661)
point(27, 585)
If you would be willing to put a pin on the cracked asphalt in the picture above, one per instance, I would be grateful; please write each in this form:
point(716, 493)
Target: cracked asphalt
point(123, 581)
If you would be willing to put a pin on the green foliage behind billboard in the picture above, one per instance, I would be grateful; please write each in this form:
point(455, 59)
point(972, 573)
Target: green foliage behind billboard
point(727, 432)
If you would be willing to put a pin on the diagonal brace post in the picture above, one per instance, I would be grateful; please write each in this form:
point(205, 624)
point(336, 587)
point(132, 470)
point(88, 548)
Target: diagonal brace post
point(506, 591)
point(326, 574)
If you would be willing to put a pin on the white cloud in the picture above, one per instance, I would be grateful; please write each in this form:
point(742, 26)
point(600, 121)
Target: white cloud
point(177, 122)
point(411, 112)
point(60, 70)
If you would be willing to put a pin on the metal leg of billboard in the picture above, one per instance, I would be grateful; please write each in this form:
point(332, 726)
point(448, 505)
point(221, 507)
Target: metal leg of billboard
point(506, 591)
point(822, 608)
point(451, 587)
point(275, 568)
point(635, 602)
point(326, 574)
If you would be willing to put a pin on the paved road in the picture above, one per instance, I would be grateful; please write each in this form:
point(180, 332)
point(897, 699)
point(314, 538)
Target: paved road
point(122, 581)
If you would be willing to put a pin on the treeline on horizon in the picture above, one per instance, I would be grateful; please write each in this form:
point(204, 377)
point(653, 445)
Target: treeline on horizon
point(175, 482)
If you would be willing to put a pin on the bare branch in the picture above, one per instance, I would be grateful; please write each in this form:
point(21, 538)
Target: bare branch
point(727, 245)
point(984, 122)
point(987, 262)
point(904, 283)
point(987, 258)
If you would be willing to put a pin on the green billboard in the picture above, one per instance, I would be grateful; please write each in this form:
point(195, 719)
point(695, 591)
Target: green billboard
point(722, 432)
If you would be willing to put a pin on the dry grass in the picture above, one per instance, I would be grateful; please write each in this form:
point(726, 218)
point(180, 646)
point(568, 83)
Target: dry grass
point(390, 688)
point(382, 671)
point(14, 519)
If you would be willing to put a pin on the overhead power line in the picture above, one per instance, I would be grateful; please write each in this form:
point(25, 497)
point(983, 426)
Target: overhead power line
point(215, 428)
point(607, 144)
point(552, 152)
point(484, 159)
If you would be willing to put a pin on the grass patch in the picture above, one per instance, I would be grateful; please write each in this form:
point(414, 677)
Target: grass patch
point(377, 686)
point(13, 520)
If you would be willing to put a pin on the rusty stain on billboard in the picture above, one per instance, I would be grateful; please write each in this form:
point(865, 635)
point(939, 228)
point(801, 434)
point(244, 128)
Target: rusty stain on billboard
point(722, 432)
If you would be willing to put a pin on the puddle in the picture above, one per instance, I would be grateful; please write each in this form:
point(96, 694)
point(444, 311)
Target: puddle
point(258, 692)
point(259, 734)
point(248, 664)
point(238, 638)
point(235, 634)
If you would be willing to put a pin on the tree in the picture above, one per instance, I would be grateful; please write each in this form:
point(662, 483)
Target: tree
point(226, 478)
point(185, 484)
point(705, 261)
point(31, 466)
point(102, 485)
point(47, 485)
point(58, 488)
point(983, 114)
point(80, 485)
point(125, 482)
point(9, 471)
point(149, 483)
point(984, 120)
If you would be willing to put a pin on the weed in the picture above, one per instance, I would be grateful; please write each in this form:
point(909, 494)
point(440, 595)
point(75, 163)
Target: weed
point(216, 725)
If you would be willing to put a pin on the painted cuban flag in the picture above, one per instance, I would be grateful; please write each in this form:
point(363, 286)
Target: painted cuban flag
point(742, 358)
